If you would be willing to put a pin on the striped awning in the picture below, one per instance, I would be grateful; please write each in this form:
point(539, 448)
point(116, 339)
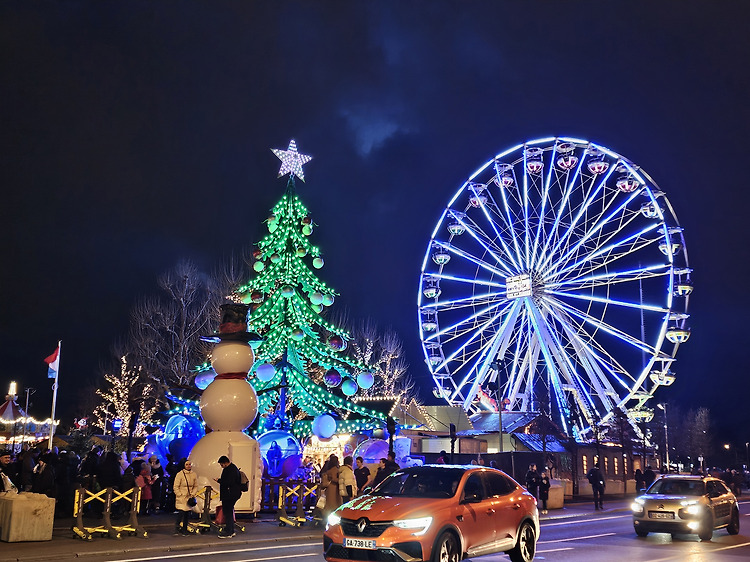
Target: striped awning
point(10, 411)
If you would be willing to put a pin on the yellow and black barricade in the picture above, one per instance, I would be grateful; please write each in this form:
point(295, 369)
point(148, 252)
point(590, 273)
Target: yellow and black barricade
point(108, 496)
point(204, 524)
point(298, 493)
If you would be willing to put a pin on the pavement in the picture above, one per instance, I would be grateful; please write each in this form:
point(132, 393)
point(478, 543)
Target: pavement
point(65, 545)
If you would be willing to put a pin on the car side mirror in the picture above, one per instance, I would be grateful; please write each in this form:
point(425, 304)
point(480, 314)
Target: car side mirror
point(472, 498)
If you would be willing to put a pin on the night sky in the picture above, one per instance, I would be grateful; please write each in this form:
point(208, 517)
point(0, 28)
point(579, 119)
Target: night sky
point(138, 134)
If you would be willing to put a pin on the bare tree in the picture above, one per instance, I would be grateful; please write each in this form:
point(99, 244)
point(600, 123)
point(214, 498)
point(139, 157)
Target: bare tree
point(165, 330)
point(128, 397)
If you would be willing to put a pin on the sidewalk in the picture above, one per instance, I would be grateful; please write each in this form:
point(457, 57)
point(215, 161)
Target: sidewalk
point(65, 545)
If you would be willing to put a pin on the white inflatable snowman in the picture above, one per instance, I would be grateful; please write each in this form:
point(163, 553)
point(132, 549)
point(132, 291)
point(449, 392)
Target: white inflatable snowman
point(228, 406)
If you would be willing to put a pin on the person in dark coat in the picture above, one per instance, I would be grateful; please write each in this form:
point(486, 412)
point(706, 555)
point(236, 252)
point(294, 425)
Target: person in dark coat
point(648, 477)
point(230, 491)
point(391, 465)
point(544, 486)
point(532, 481)
point(639, 480)
point(44, 477)
point(596, 478)
point(362, 474)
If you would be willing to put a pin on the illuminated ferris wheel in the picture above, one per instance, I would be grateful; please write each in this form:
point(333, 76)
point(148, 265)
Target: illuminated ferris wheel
point(556, 281)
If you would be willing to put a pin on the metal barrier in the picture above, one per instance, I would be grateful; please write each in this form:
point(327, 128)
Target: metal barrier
point(108, 496)
point(204, 524)
point(297, 493)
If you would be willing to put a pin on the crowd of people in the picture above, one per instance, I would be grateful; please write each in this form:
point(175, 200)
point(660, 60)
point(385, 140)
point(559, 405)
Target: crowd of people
point(342, 482)
point(57, 474)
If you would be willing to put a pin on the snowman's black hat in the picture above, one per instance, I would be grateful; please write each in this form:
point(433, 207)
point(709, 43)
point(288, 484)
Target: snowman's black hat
point(233, 326)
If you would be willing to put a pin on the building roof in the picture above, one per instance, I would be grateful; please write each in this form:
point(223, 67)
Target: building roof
point(533, 442)
point(486, 422)
point(439, 418)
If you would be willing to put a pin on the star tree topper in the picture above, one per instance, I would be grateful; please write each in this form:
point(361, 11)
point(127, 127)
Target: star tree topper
point(291, 160)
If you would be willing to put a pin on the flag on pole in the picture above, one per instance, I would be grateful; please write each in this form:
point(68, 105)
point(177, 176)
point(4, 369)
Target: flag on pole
point(54, 363)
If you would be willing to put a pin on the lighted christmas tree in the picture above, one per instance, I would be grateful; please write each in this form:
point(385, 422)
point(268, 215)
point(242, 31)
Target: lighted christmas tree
point(299, 345)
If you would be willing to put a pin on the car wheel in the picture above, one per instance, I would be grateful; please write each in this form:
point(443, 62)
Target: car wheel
point(525, 548)
point(446, 549)
point(641, 532)
point(734, 522)
point(707, 528)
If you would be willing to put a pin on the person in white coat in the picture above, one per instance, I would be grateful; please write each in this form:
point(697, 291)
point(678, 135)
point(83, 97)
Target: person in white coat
point(347, 482)
point(185, 487)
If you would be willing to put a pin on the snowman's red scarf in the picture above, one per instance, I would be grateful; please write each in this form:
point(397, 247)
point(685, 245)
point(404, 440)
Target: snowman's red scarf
point(231, 376)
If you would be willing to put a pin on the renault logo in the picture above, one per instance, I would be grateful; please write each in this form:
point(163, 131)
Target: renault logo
point(361, 524)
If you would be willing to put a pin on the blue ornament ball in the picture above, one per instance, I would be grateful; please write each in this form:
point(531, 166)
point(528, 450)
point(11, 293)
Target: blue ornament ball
point(265, 372)
point(365, 380)
point(324, 426)
point(349, 387)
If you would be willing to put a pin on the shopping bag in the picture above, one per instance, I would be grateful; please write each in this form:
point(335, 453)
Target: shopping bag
point(321, 503)
point(219, 515)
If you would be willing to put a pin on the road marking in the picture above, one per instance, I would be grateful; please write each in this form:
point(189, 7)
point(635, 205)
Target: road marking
point(575, 522)
point(578, 538)
point(555, 550)
point(708, 552)
point(230, 551)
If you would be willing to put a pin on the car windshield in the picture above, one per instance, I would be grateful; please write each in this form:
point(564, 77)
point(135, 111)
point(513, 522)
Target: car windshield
point(677, 487)
point(422, 482)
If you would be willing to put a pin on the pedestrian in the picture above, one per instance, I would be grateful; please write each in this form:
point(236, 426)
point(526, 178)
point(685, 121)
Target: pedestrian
point(158, 489)
point(329, 482)
point(361, 475)
point(44, 477)
point(28, 463)
point(544, 486)
point(185, 490)
point(381, 473)
point(648, 477)
point(230, 490)
point(144, 481)
point(532, 481)
point(6, 475)
point(391, 465)
point(347, 482)
point(640, 481)
point(442, 459)
point(596, 478)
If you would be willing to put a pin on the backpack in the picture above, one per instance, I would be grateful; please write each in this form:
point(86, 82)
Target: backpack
point(244, 482)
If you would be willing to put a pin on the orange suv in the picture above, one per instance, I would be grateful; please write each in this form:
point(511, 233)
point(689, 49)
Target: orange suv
point(436, 512)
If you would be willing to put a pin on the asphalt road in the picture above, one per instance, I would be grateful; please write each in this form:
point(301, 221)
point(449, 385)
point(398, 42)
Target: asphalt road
point(574, 534)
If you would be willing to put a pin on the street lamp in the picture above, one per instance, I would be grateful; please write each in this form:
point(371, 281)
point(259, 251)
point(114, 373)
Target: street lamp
point(666, 432)
point(747, 453)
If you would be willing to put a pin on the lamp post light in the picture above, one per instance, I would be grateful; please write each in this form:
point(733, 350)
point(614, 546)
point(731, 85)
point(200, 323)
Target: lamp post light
point(747, 453)
point(666, 432)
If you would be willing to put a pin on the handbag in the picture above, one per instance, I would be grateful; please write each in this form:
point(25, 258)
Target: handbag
point(191, 501)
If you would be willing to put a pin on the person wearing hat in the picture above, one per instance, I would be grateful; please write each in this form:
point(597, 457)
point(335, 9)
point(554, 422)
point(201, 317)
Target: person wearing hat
point(44, 477)
point(230, 490)
point(6, 471)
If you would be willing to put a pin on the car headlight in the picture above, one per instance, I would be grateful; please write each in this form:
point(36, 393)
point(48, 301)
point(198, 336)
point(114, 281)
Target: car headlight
point(637, 506)
point(333, 519)
point(420, 524)
point(694, 509)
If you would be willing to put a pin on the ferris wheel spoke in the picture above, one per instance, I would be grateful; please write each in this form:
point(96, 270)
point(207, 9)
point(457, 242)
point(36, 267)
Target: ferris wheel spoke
point(470, 301)
point(634, 238)
point(479, 331)
point(487, 242)
point(600, 324)
point(606, 300)
point(597, 227)
point(497, 345)
point(471, 258)
point(587, 201)
point(610, 278)
point(569, 184)
point(516, 257)
point(468, 322)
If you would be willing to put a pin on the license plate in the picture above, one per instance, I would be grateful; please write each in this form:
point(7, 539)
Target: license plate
point(660, 515)
point(360, 543)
